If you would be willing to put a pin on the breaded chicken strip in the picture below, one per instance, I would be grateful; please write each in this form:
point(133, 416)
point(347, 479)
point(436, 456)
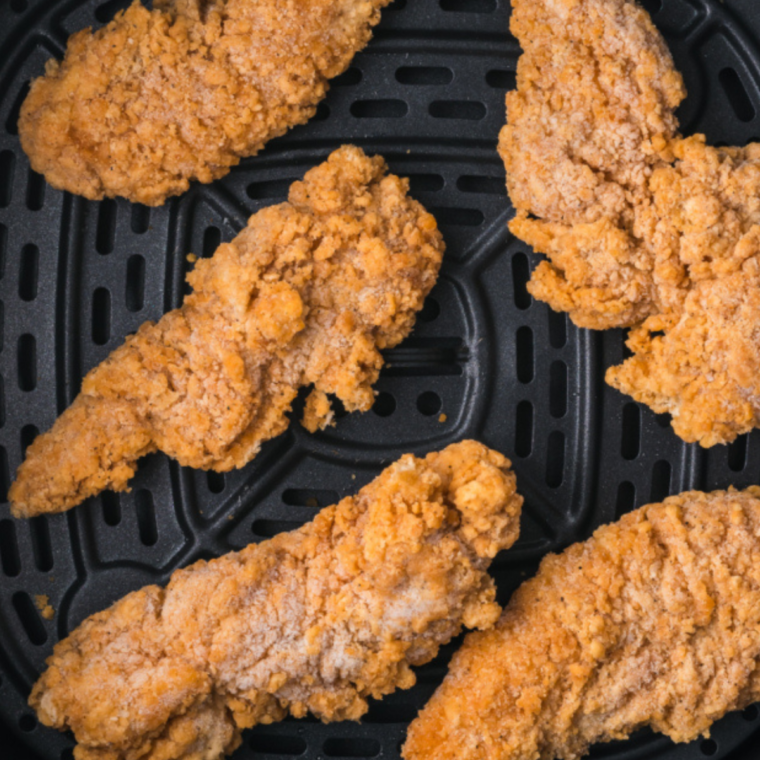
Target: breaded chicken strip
point(183, 92)
point(316, 620)
point(699, 359)
point(642, 228)
point(655, 621)
point(308, 293)
point(591, 117)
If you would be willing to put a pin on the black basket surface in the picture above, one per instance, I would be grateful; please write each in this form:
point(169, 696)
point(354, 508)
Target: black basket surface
point(484, 361)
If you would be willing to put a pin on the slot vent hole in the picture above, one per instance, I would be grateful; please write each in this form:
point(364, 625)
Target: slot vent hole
point(323, 112)
point(105, 233)
point(385, 404)
point(469, 6)
point(630, 444)
point(134, 294)
point(140, 221)
point(501, 80)
point(558, 389)
point(737, 454)
point(29, 618)
point(10, 558)
point(212, 238)
point(520, 279)
point(7, 170)
point(653, 7)
point(429, 403)
point(5, 475)
point(275, 744)
point(27, 362)
point(626, 498)
point(146, 517)
point(525, 367)
point(524, 429)
point(27, 723)
point(379, 109)
point(349, 78)
point(708, 747)
point(351, 747)
point(737, 95)
point(660, 481)
point(11, 125)
point(273, 189)
point(430, 311)
point(557, 329)
point(101, 316)
point(216, 481)
point(41, 546)
point(29, 272)
point(35, 191)
point(111, 505)
point(384, 713)
point(3, 248)
point(424, 75)
point(28, 434)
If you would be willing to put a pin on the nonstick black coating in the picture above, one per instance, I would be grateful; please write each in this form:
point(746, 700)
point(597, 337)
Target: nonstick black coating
point(76, 277)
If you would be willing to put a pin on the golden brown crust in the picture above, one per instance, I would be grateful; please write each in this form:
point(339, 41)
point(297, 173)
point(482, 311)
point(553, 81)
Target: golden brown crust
point(315, 620)
point(591, 119)
point(655, 621)
point(159, 98)
point(642, 228)
point(308, 293)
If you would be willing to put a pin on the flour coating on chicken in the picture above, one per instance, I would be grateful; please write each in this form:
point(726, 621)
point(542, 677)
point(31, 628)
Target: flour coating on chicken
point(655, 621)
point(317, 620)
point(641, 227)
point(308, 293)
point(159, 98)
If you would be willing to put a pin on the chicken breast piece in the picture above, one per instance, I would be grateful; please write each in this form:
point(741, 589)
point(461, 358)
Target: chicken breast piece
point(641, 227)
point(655, 621)
point(308, 294)
point(316, 620)
point(159, 98)
point(592, 116)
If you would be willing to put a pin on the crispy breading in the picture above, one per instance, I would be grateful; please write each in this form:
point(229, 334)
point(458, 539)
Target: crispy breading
point(655, 621)
point(593, 109)
point(307, 294)
point(642, 228)
point(316, 620)
point(159, 98)
point(705, 366)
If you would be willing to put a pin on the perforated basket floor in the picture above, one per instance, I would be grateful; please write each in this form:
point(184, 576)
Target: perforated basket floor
point(76, 277)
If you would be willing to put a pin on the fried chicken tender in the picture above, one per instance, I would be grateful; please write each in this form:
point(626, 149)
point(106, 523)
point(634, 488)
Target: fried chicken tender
point(308, 294)
point(642, 228)
point(655, 621)
point(316, 620)
point(159, 98)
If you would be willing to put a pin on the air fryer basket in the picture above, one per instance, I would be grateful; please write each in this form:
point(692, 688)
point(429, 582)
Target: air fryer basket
point(485, 361)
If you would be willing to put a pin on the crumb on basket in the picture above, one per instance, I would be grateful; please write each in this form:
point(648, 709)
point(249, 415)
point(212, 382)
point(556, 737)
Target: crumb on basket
point(43, 605)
